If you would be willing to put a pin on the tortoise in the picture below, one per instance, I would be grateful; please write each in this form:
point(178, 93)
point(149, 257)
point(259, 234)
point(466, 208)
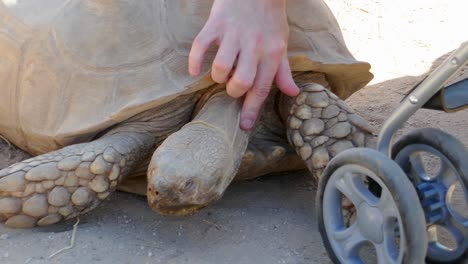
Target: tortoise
point(98, 92)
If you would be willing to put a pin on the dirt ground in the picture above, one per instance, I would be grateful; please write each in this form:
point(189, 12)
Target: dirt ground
point(271, 220)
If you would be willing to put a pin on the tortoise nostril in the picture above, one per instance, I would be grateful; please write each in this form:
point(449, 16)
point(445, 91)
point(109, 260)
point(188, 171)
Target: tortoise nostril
point(152, 190)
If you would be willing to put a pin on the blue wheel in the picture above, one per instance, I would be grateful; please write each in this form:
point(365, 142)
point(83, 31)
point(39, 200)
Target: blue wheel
point(388, 221)
point(436, 164)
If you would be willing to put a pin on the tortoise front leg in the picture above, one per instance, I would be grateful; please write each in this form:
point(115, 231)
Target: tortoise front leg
point(194, 166)
point(68, 182)
point(320, 125)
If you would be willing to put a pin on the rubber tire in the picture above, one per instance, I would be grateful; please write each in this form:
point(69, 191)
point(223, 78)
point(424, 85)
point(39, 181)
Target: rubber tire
point(450, 147)
point(405, 196)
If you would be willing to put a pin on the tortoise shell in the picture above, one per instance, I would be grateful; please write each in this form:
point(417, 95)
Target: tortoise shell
point(71, 69)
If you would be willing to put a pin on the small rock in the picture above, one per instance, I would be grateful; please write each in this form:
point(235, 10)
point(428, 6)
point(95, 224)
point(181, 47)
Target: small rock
point(4, 236)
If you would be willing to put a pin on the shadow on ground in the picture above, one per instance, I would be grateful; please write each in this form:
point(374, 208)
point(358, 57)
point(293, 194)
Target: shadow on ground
point(263, 221)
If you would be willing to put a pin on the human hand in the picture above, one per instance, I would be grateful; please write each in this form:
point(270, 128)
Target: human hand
point(252, 37)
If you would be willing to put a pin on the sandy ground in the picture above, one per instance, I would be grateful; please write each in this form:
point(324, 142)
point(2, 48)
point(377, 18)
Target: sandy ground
point(271, 220)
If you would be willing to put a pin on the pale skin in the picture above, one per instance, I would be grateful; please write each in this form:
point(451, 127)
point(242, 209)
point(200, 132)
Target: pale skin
point(252, 54)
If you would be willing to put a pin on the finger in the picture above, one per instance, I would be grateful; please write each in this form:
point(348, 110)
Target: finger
point(200, 45)
point(225, 59)
point(244, 75)
point(284, 79)
point(256, 96)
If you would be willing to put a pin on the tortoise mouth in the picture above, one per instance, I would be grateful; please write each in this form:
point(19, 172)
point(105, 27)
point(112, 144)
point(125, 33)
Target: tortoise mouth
point(170, 204)
point(178, 210)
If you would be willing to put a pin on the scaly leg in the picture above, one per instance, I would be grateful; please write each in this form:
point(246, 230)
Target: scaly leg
point(65, 183)
point(320, 125)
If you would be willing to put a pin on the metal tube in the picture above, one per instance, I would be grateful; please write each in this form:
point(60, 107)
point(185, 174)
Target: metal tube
point(416, 99)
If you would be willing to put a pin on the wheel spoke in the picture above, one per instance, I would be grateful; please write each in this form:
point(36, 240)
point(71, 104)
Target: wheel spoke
point(383, 254)
point(349, 240)
point(432, 235)
point(417, 167)
point(458, 230)
point(446, 175)
point(355, 190)
point(387, 205)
